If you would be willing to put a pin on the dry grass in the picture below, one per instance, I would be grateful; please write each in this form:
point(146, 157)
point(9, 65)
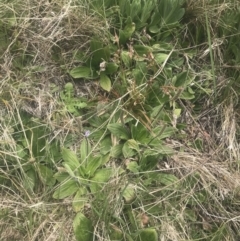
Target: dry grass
point(34, 219)
point(45, 38)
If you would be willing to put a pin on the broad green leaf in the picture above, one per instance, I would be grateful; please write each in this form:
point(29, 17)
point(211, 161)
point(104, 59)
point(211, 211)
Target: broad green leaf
point(115, 233)
point(96, 45)
point(29, 180)
point(97, 121)
point(81, 172)
point(140, 133)
point(146, 10)
point(183, 79)
point(105, 82)
point(170, 12)
point(66, 189)
point(119, 131)
point(21, 153)
point(142, 66)
point(129, 193)
point(136, 8)
point(179, 62)
point(99, 53)
point(116, 151)
point(61, 176)
point(53, 152)
point(168, 72)
point(154, 29)
point(100, 178)
point(125, 7)
point(111, 68)
point(93, 164)
point(126, 33)
point(156, 111)
point(165, 132)
point(109, 12)
point(163, 46)
point(46, 175)
point(167, 179)
point(133, 167)
point(149, 234)
point(139, 73)
point(126, 59)
point(105, 145)
point(160, 57)
point(138, 76)
point(69, 170)
point(70, 158)
point(105, 159)
point(85, 149)
point(191, 91)
point(142, 50)
point(133, 144)
point(80, 199)
point(36, 135)
point(161, 114)
point(81, 72)
point(83, 228)
point(155, 209)
point(102, 175)
point(149, 162)
point(158, 148)
point(177, 112)
point(127, 150)
point(185, 95)
point(175, 16)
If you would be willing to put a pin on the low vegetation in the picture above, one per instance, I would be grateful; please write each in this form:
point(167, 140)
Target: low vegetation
point(119, 120)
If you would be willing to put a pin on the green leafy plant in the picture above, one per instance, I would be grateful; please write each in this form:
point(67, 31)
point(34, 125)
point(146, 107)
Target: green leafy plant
point(148, 234)
point(97, 65)
point(104, 60)
point(81, 175)
point(83, 228)
point(73, 104)
point(140, 145)
point(35, 157)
